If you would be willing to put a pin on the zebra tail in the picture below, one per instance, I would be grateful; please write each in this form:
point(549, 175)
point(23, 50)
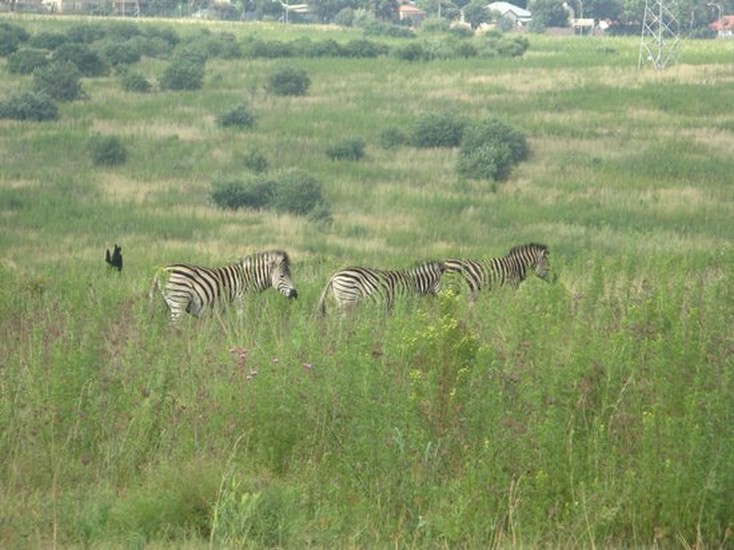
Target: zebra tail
point(322, 299)
point(155, 286)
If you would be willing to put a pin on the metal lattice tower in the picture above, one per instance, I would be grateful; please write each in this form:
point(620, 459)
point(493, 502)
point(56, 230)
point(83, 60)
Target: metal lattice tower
point(660, 34)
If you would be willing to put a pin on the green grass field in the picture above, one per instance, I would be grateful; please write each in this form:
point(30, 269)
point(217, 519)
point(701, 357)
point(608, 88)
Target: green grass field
point(595, 411)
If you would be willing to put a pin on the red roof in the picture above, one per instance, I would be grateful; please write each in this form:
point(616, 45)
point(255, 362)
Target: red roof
point(726, 22)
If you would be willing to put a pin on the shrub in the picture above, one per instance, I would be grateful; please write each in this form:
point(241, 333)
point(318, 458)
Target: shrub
point(59, 80)
point(490, 149)
point(121, 53)
point(183, 74)
point(29, 106)
point(239, 117)
point(252, 192)
point(391, 138)
point(25, 60)
point(11, 37)
point(135, 82)
point(345, 17)
point(47, 40)
point(365, 48)
point(297, 193)
point(255, 162)
point(346, 149)
point(289, 81)
point(88, 62)
point(438, 130)
point(106, 150)
point(86, 33)
point(411, 52)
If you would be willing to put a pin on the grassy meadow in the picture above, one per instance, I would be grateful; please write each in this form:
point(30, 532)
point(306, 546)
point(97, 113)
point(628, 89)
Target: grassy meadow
point(595, 411)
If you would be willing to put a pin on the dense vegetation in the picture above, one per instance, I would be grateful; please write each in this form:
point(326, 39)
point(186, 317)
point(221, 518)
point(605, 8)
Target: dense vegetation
point(595, 410)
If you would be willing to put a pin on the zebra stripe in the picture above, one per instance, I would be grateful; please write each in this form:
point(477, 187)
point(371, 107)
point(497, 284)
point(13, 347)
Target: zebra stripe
point(349, 286)
point(197, 289)
point(510, 269)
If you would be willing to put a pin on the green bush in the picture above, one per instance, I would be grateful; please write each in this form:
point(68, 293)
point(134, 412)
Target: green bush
point(87, 61)
point(11, 37)
point(133, 81)
point(411, 52)
point(29, 106)
point(288, 81)
point(392, 138)
point(365, 48)
point(183, 74)
point(107, 150)
point(85, 33)
point(60, 80)
point(254, 192)
point(239, 117)
point(438, 130)
point(346, 149)
point(297, 192)
point(255, 161)
point(26, 60)
point(47, 40)
point(121, 53)
point(490, 149)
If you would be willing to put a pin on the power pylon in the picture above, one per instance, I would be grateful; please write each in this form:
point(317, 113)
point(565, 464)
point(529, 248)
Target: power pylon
point(660, 34)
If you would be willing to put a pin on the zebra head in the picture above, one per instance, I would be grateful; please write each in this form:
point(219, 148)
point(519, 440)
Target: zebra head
point(533, 255)
point(280, 274)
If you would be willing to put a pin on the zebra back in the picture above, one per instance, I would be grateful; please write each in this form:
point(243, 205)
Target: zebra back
point(509, 269)
point(353, 284)
point(198, 289)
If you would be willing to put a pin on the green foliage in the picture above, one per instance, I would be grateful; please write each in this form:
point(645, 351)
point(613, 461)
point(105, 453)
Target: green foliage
point(183, 73)
point(83, 57)
point(347, 149)
point(392, 138)
point(133, 81)
point(239, 117)
point(29, 106)
point(25, 60)
point(106, 150)
point(497, 44)
point(490, 149)
point(255, 161)
point(364, 48)
point(121, 53)
point(442, 129)
point(254, 192)
point(297, 192)
point(288, 81)
point(411, 52)
point(11, 37)
point(47, 40)
point(60, 80)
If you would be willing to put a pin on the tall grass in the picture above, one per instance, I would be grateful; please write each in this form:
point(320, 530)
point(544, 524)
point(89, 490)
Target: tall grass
point(595, 411)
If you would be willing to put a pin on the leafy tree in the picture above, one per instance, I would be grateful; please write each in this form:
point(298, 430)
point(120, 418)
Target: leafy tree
point(548, 13)
point(107, 150)
point(298, 192)
point(87, 61)
point(183, 74)
point(438, 130)
point(29, 106)
point(476, 13)
point(135, 82)
point(59, 80)
point(11, 37)
point(288, 81)
point(239, 117)
point(26, 60)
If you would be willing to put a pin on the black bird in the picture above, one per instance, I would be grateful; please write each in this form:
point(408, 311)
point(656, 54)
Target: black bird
point(115, 259)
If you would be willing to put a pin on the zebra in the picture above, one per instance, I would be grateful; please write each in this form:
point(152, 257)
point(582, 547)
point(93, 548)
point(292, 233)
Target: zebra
point(196, 289)
point(350, 285)
point(510, 269)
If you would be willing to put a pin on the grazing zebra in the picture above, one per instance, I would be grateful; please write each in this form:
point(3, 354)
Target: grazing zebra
point(350, 285)
point(195, 289)
point(510, 269)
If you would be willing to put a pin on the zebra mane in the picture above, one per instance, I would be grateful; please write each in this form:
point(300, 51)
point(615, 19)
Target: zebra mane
point(529, 246)
point(279, 254)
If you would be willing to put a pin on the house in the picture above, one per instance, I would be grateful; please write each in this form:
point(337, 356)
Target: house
point(724, 27)
point(519, 16)
point(411, 14)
